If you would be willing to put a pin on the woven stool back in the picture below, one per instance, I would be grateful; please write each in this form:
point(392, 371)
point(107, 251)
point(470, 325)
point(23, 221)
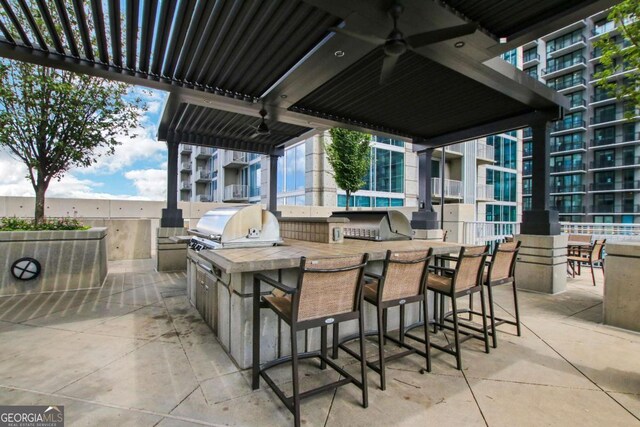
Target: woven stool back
point(503, 261)
point(405, 274)
point(470, 267)
point(329, 286)
point(596, 252)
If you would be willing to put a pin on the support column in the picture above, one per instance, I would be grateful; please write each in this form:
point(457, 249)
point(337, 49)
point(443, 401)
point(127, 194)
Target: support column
point(172, 216)
point(425, 218)
point(171, 255)
point(541, 220)
point(272, 189)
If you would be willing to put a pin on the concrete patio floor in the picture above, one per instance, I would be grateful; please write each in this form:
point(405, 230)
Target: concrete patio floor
point(135, 353)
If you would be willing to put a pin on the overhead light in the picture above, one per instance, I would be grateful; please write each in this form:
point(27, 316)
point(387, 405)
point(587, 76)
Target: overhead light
point(339, 53)
point(503, 40)
point(283, 96)
point(459, 44)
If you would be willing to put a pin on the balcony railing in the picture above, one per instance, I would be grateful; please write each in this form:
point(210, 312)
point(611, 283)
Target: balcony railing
point(527, 133)
point(236, 192)
point(204, 198)
point(609, 231)
point(613, 208)
point(185, 185)
point(554, 46)
point(530, 57)
point(234, 159)
point(483, 232)
point(568, 167)
point(185, 166)
point(485, 151)
point(186, 148)
point(452, 188)
point(527, 150)
point(485, 192)
point(203, 175)
point(526, 191)
point(526, 169)
point(568, 146)
point(204, 151)
point(562, 125)
point(579, 188)
point(602, 96)
point(578, 102)
point(564, 65)
point(612, 163)
point(566, 209)
point(608, 117)
point(565, 84)
point(618, 139)
point(613, 186)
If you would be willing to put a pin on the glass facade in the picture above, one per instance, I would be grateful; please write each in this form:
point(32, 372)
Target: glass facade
point(502, 175)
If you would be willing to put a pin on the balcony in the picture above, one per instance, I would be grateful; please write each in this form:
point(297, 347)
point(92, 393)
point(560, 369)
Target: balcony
point(527, 133)
point(485, 152)
point(452, 188)
point(234, 159)
point(622, 44)
point(185, 186)
point(485, 192)
point(562, 126)
point(614, 186)
point(618, 139)
point(565, 209)
point(205, 198)
point(204, 152)
point(601, 119)
point(564, 67)
point(619, 72)
point(564, 189)
point(530, 59)
point(603, 96)
point(562, 147)
point(526, 191)
point(557, 48)
point(527, 150)
point(625, 208)
point(526, 169)
point(186, 148)
point(578, 104)
point(236, 193)
point(629, 161)
point(568, 167)
point(185, 167)
point(450, 151)
point(203, 175)
point(567, 85)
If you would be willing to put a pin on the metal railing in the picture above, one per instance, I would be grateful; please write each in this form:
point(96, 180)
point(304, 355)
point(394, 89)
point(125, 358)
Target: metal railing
point(564, 65)
point(234, 157)
point(485, 151)
point(618, 209)
point(569, 124)
point(609, 231)
point(203, 174)
point(610, 186)
point(236, 192)
point(185, 166)
point(186, 148)
point(567, 146)
point(204, 151)
point(610, 117)
point(185, 185)
point(610, 163)
point(204, 198)
point(618, 139)
point(568, 209)
point(485, 192)
point(562, 42)
point(565, 84)
point(578, 188)
point(483, 232)
point(568, 167)
point(529, 57)
point(452, 188)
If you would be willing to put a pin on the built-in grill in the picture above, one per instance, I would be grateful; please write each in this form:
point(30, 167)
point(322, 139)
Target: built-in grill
point(376, 225)
point(235, 227)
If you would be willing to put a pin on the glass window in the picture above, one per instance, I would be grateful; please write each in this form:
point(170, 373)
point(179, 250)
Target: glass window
point(397, 172)
point(382, 202)
point(382, 168)
point(397, 202)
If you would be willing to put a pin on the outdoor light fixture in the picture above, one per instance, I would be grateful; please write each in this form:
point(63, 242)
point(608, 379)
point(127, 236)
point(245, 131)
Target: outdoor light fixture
point(459, 44)
point(339, 53)
point(283, 96)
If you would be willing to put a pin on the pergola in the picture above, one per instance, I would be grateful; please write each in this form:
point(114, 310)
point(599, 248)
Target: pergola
point(224, 61)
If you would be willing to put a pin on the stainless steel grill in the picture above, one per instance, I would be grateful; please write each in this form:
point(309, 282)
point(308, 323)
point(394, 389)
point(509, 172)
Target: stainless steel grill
point(235, 227)
point(376, 225)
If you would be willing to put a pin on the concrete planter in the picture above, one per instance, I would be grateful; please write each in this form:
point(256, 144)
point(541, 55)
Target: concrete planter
point(69, 260)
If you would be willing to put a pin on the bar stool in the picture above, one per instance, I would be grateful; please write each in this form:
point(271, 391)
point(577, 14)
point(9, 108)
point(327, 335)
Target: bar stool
point(329, 291)
point(502, 268)
point(590, 255)
point(464, 280)
point(402, 281)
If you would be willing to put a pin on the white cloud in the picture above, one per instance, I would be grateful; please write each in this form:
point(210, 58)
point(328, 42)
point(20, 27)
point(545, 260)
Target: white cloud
point(150, 183)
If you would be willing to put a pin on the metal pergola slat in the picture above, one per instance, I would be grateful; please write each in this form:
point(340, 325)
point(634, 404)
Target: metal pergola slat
point(16, 23)
point(101, 36)
point(167, 9)
point(32, 24)
point(83, 28)
point(133, 8)
point(51, 28)
point(66, 28)
point(149, 11)
point(115, 28)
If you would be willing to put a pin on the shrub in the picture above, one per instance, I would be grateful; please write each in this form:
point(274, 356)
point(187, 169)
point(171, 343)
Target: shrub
point(21, 224)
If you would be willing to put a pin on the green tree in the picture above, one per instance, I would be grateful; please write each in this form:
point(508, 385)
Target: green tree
point(349, 155)
point(622, 52)
point(53, 120)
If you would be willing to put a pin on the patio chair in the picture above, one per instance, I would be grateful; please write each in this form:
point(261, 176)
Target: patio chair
point(590, 256)
point(501, 271)
point(464, 280)
point(402, 281)
point(329, 291)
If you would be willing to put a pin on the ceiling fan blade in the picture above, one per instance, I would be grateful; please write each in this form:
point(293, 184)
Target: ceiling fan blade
point(254, 135)
point(364, 37)
point(435, 36)
point(388, 64)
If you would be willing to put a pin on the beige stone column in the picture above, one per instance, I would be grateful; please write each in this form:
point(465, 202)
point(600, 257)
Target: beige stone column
point(622, 285)
point(542, 263)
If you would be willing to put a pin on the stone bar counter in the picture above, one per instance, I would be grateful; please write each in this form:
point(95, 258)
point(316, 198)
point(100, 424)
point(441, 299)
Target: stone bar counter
point(221, 287)
point(621, 301)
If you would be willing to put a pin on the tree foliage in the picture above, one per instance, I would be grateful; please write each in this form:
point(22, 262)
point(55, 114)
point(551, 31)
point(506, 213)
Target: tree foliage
point(350, 156)
point(53, 120)
point(621, 52)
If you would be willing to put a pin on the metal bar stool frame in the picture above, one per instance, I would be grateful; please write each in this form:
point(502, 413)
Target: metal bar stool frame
point(382, 304)
point(259, 301)
point(440, 318)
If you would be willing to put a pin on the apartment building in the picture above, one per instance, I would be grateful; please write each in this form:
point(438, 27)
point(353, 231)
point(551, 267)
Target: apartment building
point(595, 164)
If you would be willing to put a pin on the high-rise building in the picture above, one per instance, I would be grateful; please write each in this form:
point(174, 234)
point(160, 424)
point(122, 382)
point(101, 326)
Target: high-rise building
point(595, 162)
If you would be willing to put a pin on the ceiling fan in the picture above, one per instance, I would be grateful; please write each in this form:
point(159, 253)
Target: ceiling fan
point(262, 129)
point(396, 43)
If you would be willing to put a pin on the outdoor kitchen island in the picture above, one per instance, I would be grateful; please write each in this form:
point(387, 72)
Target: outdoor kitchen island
point(221, 287)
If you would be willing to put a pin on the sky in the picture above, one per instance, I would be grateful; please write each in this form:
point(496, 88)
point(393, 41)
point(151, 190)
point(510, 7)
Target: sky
point(137, 169)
